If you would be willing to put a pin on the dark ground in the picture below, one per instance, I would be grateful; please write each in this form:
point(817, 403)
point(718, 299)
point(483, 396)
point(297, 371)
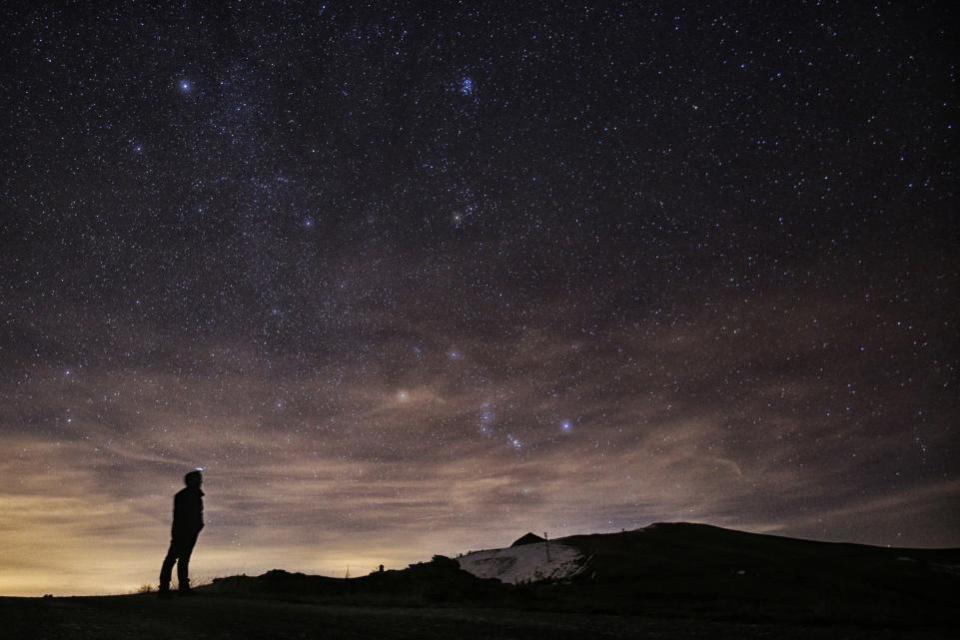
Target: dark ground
point(671, 571)
point(144, 617)
point(665, 581)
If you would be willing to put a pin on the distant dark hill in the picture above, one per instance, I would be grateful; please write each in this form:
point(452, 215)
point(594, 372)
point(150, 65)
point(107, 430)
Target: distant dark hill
point(527, 538)
point(438, 581)
point(682, 567)
point(675, 570)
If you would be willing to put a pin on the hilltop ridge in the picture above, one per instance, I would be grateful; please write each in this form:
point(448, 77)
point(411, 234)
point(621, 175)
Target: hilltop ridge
point(668, 568)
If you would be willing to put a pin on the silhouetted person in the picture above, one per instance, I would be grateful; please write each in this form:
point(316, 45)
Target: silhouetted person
point(187, 523)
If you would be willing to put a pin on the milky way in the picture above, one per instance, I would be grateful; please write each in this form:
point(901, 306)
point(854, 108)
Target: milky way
point(416, 278)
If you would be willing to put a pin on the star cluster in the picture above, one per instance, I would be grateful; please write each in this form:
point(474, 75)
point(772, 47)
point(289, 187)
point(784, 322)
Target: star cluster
point(417, 277)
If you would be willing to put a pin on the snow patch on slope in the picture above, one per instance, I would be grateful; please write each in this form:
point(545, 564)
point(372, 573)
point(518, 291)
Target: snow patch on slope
point(525, 563)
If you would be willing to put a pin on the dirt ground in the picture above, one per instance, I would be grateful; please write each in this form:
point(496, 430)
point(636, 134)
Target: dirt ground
point(144, 617)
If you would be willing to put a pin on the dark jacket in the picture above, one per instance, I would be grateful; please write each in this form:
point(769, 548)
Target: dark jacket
point(188, 512)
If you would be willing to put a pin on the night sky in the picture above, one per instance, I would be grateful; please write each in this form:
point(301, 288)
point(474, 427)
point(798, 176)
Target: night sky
point(414, 278)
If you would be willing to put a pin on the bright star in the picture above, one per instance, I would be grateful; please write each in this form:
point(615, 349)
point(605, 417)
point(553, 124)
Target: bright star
point(487, 418)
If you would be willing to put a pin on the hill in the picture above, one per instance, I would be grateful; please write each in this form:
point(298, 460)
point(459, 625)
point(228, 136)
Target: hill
point(673, 580)
point(666, 569)
point(696, 569)
point(437, 581)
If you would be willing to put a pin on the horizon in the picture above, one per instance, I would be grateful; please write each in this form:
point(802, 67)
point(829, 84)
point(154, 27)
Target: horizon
point(359, 565)
point(406, 279)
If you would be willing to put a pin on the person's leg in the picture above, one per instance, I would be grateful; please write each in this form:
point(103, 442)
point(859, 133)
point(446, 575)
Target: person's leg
point(167, 569)
point(183, 563)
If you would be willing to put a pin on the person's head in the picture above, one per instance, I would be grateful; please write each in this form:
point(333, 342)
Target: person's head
point(193, 479)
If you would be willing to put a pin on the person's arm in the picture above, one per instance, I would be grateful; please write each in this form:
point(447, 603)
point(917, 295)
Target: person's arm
point(179, 515)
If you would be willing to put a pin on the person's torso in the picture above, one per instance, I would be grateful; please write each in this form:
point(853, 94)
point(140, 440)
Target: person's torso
point(188, 508)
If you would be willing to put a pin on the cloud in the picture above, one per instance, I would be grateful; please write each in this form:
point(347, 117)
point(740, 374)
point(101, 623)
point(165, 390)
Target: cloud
point(314, 465)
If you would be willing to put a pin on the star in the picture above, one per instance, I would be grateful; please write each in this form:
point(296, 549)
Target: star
point(676, 262)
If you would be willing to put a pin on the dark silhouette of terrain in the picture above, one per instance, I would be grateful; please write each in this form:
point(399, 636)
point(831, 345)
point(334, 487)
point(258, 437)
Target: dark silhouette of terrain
point(667, 580)
point(438, 581)
point(681, 570)
point(701, 570)
point(527, 538)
